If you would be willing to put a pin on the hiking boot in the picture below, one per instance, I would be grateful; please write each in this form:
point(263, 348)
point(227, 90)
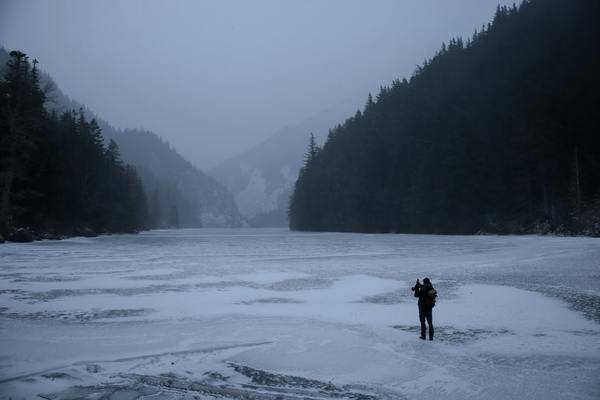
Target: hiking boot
point(422, 337)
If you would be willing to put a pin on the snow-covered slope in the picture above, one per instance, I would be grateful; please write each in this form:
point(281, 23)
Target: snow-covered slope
point(261, 178)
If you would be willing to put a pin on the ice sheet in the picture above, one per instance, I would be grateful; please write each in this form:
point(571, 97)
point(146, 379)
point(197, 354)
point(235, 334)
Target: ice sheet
point(267, 313)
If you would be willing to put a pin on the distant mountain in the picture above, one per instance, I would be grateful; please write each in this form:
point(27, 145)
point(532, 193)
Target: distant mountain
point(200, 200)
point(498, 133)
point(261, 179)
point(169, 180)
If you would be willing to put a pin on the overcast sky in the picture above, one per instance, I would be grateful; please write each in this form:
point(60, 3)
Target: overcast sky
point(216, 77)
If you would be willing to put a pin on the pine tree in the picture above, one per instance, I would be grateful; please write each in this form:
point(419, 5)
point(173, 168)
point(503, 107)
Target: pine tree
point(113, 154)
point(21, 117)
point(312, 151)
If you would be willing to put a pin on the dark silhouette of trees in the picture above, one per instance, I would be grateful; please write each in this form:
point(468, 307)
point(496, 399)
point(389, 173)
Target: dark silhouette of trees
point(56, 173)
point(161, 168)
point(495, 134)
point(21, 120)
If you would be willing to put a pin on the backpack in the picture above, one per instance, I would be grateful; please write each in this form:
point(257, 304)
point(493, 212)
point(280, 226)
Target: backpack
point(431, 297)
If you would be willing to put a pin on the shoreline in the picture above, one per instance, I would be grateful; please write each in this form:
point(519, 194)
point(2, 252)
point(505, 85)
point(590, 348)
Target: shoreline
point(28, 235)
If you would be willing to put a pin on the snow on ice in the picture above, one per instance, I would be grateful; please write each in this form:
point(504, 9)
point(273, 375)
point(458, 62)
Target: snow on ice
point(268, 313)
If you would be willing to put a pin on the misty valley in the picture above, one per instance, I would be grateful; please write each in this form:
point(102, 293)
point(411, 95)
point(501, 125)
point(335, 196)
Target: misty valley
point(281, 200)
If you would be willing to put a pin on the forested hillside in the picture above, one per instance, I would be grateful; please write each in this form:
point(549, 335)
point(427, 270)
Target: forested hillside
point(58, 176)
point(178, 193)
point(498, 133)
point(171, 180)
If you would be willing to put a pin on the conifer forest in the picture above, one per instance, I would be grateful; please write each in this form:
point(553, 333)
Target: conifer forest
point(496, 133)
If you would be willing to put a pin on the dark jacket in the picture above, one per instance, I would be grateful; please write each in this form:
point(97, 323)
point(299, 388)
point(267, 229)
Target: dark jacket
point(421, 292)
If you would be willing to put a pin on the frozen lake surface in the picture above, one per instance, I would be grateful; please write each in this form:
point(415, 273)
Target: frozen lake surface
point(273, 314)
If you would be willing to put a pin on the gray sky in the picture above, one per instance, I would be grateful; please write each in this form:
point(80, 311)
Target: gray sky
point(216, 77)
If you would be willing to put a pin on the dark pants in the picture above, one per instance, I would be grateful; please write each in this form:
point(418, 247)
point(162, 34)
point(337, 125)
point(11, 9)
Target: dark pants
point(425, 313)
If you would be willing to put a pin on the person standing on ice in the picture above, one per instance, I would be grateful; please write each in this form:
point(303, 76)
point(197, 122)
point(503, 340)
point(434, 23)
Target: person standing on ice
point(426, 294)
